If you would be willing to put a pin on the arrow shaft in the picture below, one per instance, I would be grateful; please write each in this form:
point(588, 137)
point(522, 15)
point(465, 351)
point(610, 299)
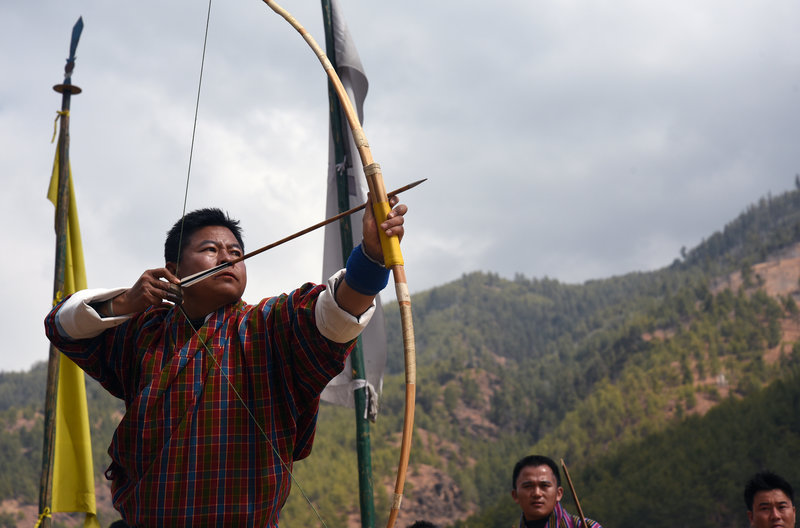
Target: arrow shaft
point(197, 277)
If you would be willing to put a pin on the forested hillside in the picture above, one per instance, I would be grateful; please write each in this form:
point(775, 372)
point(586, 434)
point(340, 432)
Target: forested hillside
point(661, 390)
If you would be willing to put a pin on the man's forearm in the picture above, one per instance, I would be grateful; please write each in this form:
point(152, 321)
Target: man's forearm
point(80, 318)
point(333, 320)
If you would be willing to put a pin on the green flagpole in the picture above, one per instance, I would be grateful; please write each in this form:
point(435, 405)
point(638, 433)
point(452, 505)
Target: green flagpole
point(339, 134)
point(66, 89)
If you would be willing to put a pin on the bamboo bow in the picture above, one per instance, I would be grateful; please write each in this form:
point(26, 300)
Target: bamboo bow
point(393, 259)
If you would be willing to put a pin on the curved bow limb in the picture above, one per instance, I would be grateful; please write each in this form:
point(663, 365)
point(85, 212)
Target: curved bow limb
point(393, 258)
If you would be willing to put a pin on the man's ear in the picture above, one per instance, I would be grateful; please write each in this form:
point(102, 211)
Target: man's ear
point(559, 494)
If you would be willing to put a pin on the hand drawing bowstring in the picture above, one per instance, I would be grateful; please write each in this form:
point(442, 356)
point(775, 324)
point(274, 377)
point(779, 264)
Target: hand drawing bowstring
point(393, 259)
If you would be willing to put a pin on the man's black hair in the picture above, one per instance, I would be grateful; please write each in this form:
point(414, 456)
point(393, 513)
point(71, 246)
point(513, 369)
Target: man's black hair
point(191, 223)
point(534, 461)
point(422, 524)
point(765, 481)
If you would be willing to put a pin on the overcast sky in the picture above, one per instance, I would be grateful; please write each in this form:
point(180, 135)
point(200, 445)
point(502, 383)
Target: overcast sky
point(574, 140)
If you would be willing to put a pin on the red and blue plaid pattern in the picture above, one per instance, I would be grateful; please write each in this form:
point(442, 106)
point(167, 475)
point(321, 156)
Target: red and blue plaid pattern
point(187, 452)
point(561, 518)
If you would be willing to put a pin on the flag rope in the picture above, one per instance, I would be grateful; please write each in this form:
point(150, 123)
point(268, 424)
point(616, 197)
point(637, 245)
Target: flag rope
point(59, 114)
point(45, 514)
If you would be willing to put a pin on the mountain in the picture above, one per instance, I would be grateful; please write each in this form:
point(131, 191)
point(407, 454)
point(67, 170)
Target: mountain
point(662, 390)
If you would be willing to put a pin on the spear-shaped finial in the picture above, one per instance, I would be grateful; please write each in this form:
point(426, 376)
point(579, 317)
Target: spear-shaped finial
point(67, 87)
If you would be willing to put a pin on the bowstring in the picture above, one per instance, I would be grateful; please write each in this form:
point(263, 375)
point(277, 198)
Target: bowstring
point(205, 345)
point(194, 134)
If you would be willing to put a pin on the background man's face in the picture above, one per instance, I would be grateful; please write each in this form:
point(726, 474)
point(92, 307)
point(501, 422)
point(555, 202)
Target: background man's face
point(537, 492)
point(772, 509)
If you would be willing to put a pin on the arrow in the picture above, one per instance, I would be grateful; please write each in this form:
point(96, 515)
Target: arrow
point(197, 277)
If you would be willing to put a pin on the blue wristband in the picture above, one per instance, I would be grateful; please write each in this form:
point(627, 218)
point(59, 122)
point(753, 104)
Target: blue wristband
point(363, 275)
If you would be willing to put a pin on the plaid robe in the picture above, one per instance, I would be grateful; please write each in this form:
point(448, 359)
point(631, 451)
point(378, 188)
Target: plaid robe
point(561, 518)
point(187, 452)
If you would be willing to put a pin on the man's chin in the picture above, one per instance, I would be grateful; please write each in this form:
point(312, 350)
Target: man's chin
point(209, 303)
point(536, 514)
point(227, 293)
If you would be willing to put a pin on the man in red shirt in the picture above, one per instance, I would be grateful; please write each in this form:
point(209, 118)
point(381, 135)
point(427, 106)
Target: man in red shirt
point(221, 396)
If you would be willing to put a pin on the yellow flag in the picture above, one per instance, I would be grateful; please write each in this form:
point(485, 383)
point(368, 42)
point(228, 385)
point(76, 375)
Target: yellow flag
point(73, 470)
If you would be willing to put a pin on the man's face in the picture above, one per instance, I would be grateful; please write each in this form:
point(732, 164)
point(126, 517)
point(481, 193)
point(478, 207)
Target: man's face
point(208, 247)
point(536, 492)
point(771, 509)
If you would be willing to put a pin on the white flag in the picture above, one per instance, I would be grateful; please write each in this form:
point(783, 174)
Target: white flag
point(373, 339)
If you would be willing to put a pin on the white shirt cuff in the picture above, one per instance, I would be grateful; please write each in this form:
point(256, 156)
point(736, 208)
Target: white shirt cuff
point(335, 323)
point(77, 320)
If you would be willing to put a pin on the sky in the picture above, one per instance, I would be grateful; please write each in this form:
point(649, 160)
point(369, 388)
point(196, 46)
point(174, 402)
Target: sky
point(572, 140)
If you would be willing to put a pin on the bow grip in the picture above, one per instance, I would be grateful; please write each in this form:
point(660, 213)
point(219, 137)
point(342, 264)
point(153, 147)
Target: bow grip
point(390, 245)
point(381, 209)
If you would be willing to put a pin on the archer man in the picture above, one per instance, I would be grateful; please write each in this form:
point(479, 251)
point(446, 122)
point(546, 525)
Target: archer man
point(221, 396)
point(536, 487)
